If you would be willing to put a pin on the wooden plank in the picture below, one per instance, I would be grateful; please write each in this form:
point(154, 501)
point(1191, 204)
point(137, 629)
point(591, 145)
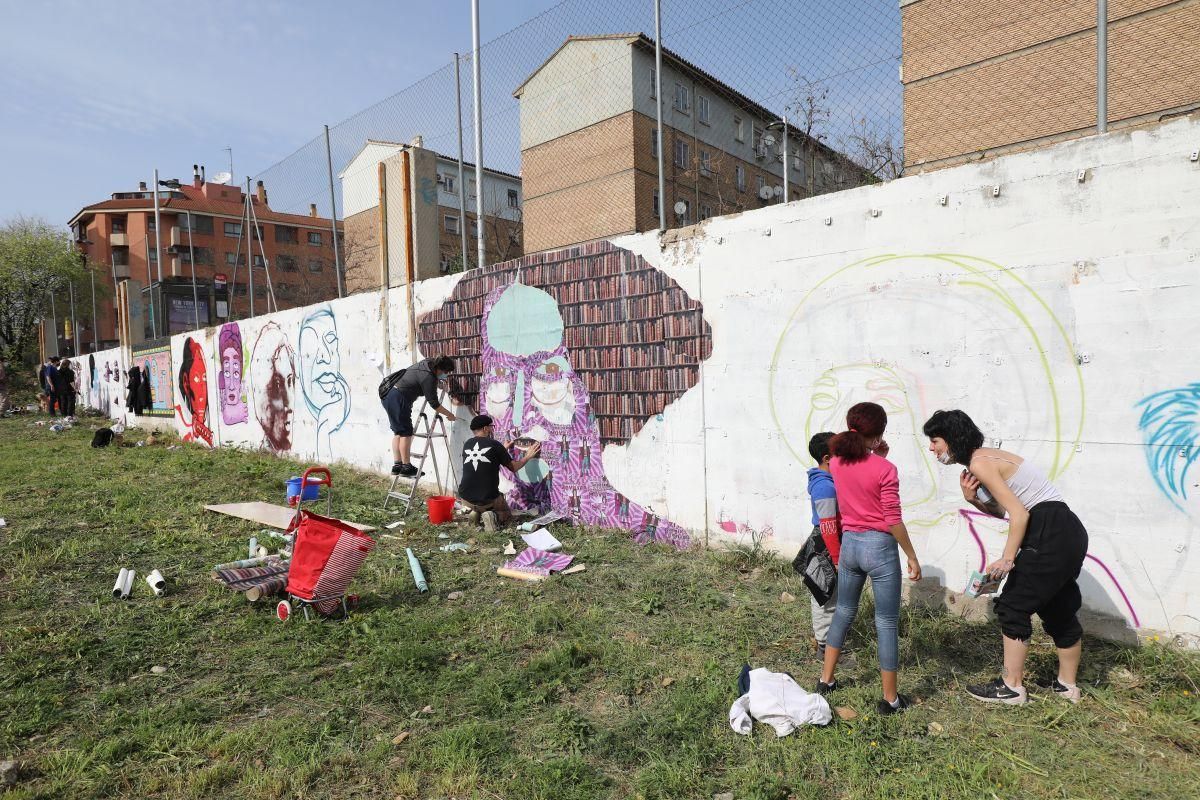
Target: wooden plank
point(269, 514)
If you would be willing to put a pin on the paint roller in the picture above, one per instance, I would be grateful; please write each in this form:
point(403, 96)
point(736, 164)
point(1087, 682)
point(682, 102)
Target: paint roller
point(417, 573)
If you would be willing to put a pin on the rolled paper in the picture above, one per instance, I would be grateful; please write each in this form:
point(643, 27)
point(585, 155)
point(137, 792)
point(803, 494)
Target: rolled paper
point(155, 579)
point(245, 562)
point(253, 548)
point(520, 575)
point(119, 586)
point(417, 573)
point(128, 585)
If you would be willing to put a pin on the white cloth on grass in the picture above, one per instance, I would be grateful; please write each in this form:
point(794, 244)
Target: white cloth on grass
point(777, 700)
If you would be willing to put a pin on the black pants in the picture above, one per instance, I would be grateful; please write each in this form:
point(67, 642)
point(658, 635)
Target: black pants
point(1043, 582)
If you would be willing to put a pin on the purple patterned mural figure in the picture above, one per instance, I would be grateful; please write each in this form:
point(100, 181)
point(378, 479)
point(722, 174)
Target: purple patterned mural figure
point(530, 387)
point(229, 379)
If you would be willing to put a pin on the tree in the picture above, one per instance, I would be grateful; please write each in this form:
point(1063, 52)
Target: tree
point(875, 149)
point(36, 260)
point(810, 113)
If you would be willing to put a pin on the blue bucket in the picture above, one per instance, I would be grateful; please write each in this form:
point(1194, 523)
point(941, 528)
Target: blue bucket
point(293, 489)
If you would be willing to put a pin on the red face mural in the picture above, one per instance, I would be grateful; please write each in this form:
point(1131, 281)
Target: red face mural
point(193, 389)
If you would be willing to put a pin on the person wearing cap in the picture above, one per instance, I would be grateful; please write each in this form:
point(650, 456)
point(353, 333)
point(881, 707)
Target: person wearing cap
point(482, 457)
point(421, 379)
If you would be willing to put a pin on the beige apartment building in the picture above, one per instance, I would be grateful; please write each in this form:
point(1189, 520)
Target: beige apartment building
point(986, 77)
point(589, 145)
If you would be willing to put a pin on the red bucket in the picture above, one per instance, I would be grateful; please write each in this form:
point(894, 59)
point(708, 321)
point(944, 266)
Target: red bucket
point(441, 509)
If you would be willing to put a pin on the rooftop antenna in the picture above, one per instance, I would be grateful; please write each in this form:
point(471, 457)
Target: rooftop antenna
point(230, 151)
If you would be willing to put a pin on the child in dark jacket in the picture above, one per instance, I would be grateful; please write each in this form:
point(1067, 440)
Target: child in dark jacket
point(827, 524)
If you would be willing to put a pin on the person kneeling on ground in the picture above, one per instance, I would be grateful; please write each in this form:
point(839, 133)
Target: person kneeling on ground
point(419, 379)
point(482, 457)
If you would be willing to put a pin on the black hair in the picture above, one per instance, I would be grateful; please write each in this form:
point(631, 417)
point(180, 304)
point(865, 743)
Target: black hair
point(185, 374)
point(442, 364)
point(818, 446)
point(961, 435)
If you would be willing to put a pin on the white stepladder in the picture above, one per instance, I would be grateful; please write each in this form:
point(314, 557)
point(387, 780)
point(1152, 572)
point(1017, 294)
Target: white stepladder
point(428, 432)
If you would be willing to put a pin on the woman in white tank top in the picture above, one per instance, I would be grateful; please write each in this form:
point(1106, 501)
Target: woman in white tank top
point(1042, 555)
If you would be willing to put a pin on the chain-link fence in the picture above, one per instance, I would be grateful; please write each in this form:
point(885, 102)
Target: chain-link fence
point(869, 89)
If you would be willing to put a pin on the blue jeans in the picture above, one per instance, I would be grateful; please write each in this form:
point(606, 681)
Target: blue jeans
point(874, 555)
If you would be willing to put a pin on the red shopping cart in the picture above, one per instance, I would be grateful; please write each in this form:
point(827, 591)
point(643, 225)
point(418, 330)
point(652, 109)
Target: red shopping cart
point(326, 555)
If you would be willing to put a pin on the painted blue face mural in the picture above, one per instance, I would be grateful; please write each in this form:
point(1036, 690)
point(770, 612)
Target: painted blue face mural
point(326, 392)
point(1170, 426)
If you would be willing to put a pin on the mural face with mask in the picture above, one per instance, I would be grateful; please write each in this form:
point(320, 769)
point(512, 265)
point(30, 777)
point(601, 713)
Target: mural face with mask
point(532, 392)
point(229, 379)
point(326, 392)
point(273, 378)
point(193, 388)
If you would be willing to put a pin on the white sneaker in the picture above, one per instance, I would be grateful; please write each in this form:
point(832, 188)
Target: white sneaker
point(490, 523)
point(1069, 693)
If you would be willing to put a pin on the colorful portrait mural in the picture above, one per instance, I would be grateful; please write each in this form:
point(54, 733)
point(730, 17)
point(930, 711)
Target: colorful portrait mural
point(155, 363)
point(576, 349)
point(192, 413)
point(326, 392)
point(273, 386)
point(229, 378)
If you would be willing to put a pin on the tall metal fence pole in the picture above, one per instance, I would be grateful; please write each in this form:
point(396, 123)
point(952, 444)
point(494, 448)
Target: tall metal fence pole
point(462, 181)
point(482, 259)
point(658, 94)
point(337, 258)
point(1101, 66)
point(154, 314)
point(192, 261)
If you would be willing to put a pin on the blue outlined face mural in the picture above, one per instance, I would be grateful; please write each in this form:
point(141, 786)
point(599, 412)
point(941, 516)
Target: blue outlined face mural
point(1170, 426)
point(326, 392)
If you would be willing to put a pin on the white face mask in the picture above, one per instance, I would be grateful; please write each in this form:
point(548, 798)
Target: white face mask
point(946, 458)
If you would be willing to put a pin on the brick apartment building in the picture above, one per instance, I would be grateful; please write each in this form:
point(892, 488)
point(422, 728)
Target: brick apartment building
point(438, 218)
point(588, 145)
point(986, 77)
point(118, 236)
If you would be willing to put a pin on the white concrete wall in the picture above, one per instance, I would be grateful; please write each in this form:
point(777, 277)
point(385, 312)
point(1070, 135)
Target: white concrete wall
point(588, 81)
point(1057, 313)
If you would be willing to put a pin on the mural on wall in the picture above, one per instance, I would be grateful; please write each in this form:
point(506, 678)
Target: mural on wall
point(579, 348)
point(229, 379)
point(326, 392)
point(1170, 426)
point(155, 364)
point(273, 386)
point(192, 414)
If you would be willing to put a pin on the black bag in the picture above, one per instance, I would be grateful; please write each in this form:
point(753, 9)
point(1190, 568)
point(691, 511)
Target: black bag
point(389, 383)
point(102, 438)
point(815, 566)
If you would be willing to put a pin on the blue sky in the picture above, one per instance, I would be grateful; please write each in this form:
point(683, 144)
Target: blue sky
point(96, 95)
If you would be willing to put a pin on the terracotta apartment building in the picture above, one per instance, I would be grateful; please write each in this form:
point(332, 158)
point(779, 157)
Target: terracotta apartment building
point(589, 145)
point(986, 77)
point(118, 235)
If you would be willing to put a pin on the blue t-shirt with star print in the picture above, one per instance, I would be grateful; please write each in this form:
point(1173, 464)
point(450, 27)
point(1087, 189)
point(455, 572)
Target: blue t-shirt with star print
point(482, 459)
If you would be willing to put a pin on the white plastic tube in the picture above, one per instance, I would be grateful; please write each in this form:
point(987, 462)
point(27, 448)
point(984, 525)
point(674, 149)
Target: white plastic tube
point(127, 587)
point(155, 579)
point(119, 586)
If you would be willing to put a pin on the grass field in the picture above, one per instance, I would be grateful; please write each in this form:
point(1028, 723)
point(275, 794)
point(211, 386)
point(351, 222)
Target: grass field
point(615, 682)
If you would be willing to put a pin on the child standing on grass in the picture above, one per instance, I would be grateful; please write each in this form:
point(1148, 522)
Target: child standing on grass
point(827, 526)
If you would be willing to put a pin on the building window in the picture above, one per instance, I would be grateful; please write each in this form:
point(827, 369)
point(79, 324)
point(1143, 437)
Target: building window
point(653, 83)
point(450, 224)
point(286, 263)
point(204, 255)
point(120, 256)
point(684, 217)
point(258, 261)
point(286, 234)
point(654, 142)
point(471, 188)
point(153, 255)
point(683, 98)
point(514, 199)
point(315, 265)
point(314, 238)
point(233, 229)
point(448, 184)
point(202, 225)
point(683, 156)
point(234, 258)
point(761, 182)
point(118, 224)
point(705, 212)
point(739, 129)
point(656, 203)
point(703, 109)
point(801, 167)
point(150, 226)
point(740, 177)
point(705, 163)
point(756, 133)
point(474, 228)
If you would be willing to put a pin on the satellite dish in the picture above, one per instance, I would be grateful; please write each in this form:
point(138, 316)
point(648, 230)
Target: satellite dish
point(769, 140)
point(765, 193)
point(779, 191)
point(223, 177)
point(680, 207)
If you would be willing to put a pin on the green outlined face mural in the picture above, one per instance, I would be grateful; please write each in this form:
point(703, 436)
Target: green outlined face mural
point(971, 328)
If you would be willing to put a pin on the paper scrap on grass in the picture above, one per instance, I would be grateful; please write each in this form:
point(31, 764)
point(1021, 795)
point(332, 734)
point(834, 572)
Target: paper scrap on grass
point(542, 539)
point(391, 526)
point(449, 548)
point(539, 562)
point(3, 522)
point(509, 550)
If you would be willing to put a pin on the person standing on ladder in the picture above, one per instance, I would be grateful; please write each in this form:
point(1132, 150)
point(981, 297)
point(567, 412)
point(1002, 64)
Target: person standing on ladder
point(421, 379)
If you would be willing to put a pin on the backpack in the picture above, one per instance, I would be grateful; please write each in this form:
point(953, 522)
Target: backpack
point(389, 383)
point(814, 564)
point(102, 438)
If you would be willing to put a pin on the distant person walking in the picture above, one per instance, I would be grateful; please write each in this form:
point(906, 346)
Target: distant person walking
point(1042, 556)
point(64, 388)
point(46, 381)
point(873, 533)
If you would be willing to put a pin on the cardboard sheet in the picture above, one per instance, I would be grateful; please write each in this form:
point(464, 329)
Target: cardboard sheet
point(269, 514)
